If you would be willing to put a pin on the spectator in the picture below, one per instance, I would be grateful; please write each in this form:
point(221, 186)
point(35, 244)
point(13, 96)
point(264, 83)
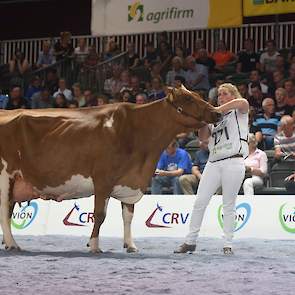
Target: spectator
point(205, 60)
point(290, 183)
point(284, 141)
point(90, 99)
point(266, 125)
point(51, 81)
point(281, 65)
point(256, 167)
point(243, 89)
point(213, 92)
point(178, 81)
point(135, 87)
point(125, 95)
point(255, 77)
point(173, 163)
point(165, 56)
point(281, 106)
point(132, 56)
point(63, 90)
point(3, 100)
point(16, 100)
point(113, 85)
point(189, 182)
point(125, 79)
point(268, 58)
point(180, 52)
point(199, 44)
point(18, 67)
point(292, 71)
point(156, 70)
point(34, 87)
point(60, 101)
point(223, 57)
point(289, 85)
point(46, 57)
point(102, 100)
point(177, 70)
point(151, 52)
point(81, 51)
point(197, 75)
point(63, 48)
point(78, 95)
point(277, 81)
point(248, 59)
point(255, 100)
point(42, 100)
point(141, 98)
point(157, 90)
point(73, 104)
point(112, 49)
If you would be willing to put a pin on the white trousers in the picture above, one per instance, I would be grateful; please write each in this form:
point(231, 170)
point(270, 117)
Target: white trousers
point(229, 174)
point(250, 183)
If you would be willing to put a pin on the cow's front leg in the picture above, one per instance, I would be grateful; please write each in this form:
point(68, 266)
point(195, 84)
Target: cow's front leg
point(127, 214)
point(5, 212)
point(100, 208)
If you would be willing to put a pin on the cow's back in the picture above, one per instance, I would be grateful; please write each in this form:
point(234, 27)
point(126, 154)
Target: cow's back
point(53, 143)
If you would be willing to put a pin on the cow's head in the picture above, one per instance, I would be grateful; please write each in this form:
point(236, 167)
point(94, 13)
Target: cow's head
point(191, 107)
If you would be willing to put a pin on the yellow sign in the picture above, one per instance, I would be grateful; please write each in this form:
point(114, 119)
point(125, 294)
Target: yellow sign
point(224, 14)
point(264, 7)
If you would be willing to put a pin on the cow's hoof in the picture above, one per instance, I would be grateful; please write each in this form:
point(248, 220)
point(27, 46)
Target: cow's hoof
point(132, 250)
point(125, 245)
point(13, 248)
point(96, 251)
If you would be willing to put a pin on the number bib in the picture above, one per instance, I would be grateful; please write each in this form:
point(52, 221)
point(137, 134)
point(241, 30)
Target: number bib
point(229, 136)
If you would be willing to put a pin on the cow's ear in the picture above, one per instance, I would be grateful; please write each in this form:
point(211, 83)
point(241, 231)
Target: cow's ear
point(170, 93)
point(185, 90)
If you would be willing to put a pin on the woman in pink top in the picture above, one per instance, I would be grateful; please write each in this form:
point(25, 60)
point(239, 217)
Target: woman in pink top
point(256, 167)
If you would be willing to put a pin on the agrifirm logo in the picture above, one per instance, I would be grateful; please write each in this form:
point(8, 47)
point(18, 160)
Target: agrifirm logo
point(261, 2)
point(137, 12)
point(77, 217)
point(24, 216)
point(161, 218)
point(287, 217)
point(243, 213)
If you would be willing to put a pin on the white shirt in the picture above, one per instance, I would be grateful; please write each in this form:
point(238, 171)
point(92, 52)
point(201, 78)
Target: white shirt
point(67, 93)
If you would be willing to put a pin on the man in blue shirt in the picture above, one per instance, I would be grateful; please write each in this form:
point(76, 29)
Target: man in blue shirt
point(266, 125)
point(173, 163)
point(189, 182)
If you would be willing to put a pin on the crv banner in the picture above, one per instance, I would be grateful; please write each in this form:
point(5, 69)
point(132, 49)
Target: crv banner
point(114, 17)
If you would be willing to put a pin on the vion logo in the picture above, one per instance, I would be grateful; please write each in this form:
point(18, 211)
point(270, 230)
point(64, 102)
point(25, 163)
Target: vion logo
point(161, 218)
point(135, 12)
point(78, 218)
point(243, 212)
point(287, 218)
point(24, 216)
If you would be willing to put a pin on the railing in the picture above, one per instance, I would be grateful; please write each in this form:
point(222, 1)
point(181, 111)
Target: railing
point(89, 77)
point(232, 36)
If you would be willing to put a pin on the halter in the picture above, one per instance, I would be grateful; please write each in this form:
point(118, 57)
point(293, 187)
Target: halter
point(181, 111)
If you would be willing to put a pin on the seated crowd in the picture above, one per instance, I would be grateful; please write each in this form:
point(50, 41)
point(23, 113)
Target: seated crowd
point(266, 80)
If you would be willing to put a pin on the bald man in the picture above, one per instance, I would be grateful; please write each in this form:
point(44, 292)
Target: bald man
point(265, 125)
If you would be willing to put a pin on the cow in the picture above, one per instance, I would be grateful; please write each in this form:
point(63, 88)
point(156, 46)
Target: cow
point(108, 151)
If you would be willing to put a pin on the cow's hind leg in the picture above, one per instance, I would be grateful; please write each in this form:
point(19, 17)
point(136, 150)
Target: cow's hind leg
point(11, 208)
point(5, 207)
point(127, 214)
point(100, 207)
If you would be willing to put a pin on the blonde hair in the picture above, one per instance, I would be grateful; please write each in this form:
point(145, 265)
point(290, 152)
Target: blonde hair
point(232, 89)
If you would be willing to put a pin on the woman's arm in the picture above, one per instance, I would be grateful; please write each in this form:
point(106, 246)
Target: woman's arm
point(240, 103)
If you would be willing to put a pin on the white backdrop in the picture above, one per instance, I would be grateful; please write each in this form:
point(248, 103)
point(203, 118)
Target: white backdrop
point(258, 216)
